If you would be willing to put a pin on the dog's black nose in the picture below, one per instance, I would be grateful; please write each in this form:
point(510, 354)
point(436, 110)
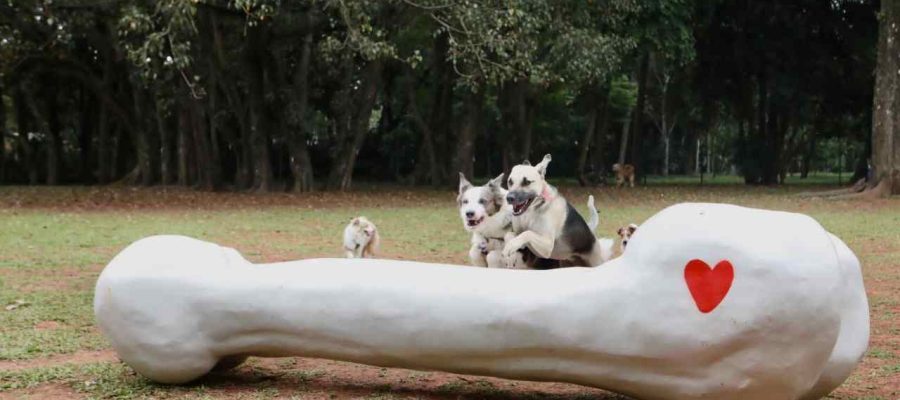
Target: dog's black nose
point(470, 214)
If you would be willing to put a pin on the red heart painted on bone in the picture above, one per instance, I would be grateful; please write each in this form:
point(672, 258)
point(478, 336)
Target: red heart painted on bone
point(708, 286)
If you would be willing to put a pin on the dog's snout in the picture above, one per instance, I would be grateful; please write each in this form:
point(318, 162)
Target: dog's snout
point(470, 214)
point(510, 198)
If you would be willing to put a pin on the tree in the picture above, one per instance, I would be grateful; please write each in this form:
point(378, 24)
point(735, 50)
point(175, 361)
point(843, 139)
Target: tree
point(273, 95)
point(886, 114)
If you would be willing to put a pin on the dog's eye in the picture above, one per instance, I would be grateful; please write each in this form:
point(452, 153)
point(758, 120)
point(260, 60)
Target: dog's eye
point(525, 182)
point(480, 201)
point(509, 182)
point(465, 202)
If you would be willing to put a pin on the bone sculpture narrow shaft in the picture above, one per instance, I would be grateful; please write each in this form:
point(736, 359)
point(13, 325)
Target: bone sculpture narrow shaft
point(710, 301)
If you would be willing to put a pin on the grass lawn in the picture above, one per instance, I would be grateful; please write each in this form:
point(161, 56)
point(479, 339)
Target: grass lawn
point(54, 242)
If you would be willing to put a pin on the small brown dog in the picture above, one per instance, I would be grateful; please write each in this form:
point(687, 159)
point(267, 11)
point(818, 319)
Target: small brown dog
point(625, 233)
point(624, 172)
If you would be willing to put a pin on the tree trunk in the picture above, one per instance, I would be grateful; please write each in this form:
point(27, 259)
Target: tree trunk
point(42, 119)
point(357, 125)
point(165, 144)
point(104, 168)
point(886, 114)
point(117, 147)
point(54, 147)
point(431, 163)
point(697, 164)
point(301, 164)
point(85, 136)
point(623, 144)
point(525, 116)
point(184, 127)
point(665, 166)
point(638, 116)
point(259, 121)
point(688, 145)
point(588, 137)
point(3, 135)
point(468, 131)
point(507, 153)
point(597, 102)
point(141, 137)
point(202, 147)
point(598, 154)
point(516, 119)
point(227, 83)
point(23, 121)
point(806, 162)
point(427, 157)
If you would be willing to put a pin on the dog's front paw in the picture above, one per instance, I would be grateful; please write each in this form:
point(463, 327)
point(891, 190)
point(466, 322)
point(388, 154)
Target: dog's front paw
point(511, 248)
point(516, 261)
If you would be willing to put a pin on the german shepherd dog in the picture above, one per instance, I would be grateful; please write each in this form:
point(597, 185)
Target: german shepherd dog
point(546, 224)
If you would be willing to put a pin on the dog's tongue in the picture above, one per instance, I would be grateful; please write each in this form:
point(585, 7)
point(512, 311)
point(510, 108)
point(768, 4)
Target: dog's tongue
point(519, 207)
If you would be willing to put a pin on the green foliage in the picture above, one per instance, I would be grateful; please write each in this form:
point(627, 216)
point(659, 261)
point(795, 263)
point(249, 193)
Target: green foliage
point(220, 83)
point(622, 94)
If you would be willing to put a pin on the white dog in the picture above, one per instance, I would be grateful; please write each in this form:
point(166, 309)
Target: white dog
point(360, 238)
point(546, 224)
point(486, 216)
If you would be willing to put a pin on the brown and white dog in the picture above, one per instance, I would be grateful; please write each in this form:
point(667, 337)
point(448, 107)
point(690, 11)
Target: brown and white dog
point(625, 233)
point(360, 238)
point(546, 224)
point(624, 172)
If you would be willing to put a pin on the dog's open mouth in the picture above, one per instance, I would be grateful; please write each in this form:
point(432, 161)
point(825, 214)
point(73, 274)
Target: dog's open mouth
point(474, 221)
point(520, 207)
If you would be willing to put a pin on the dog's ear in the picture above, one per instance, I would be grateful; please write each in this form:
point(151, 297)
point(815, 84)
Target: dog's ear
point(355, 221)
point(526, 162)
point(496, 182)
point(496, 187)
point(464, 183)
point(542, 166)
point(632, 228)
point(619, 232)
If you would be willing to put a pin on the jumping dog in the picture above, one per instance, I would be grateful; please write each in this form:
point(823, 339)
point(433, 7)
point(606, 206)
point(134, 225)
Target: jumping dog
point(546, 224)
point(485, 215)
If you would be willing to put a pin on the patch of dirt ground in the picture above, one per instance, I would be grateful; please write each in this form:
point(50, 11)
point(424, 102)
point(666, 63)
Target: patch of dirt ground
point(78, 357)
point(55, 391)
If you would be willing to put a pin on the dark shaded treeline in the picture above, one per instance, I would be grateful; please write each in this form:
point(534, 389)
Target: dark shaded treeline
point(264, 95)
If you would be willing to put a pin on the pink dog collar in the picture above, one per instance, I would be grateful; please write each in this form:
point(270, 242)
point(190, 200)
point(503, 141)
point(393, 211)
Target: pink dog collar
point(546, 195)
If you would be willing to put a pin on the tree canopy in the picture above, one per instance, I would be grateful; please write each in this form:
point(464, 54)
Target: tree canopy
point(310, 94)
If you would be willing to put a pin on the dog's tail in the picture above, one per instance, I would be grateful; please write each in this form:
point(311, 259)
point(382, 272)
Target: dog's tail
point(606, 248)
point(595, 216)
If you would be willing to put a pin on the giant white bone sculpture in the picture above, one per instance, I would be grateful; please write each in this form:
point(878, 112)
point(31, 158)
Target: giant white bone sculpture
point(710, 301)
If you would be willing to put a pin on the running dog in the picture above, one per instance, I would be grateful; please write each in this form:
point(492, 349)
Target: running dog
point(624, 172)
point(546, 224)
point(485, 215)
point(360, 238)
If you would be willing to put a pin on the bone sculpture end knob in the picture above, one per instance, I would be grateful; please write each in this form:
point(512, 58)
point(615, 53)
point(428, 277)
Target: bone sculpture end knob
point(710, 301)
